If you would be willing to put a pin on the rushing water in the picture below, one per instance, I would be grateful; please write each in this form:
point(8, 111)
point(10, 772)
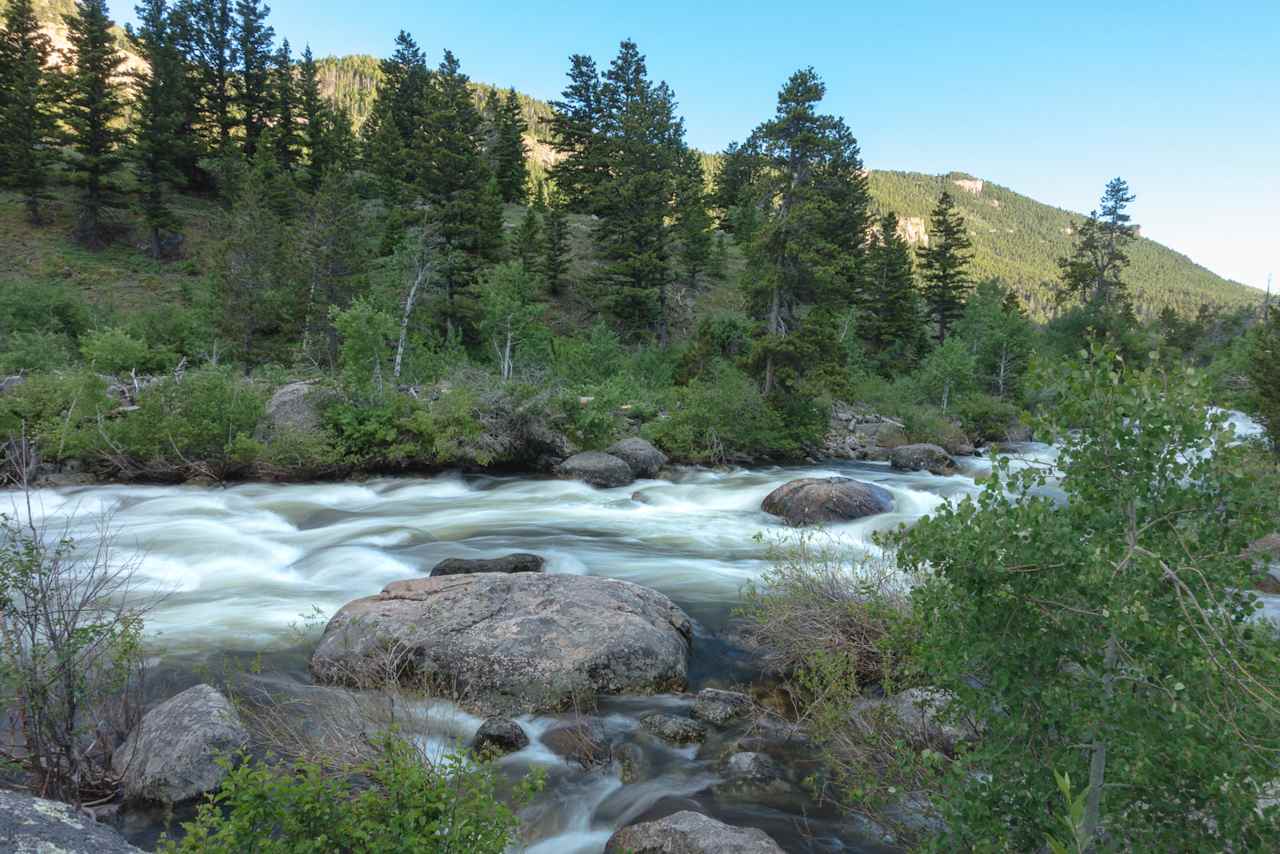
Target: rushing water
point(239, 569)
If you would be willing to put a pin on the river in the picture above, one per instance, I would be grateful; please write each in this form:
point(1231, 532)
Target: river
point(242, 568)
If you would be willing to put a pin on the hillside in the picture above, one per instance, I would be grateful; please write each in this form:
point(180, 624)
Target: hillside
point(1015, 238)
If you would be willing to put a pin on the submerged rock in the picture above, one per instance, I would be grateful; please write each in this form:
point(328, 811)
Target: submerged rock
point(597, 469)
point(499, 736)
point(171, 756)
point(644, 459)
point(584, 741)
point(31, 825)
point(719, 707)
point(922, 457)
point(690, 833)
point(509, 644)
point(673, 728)
point(813, 500)
point(516, 562)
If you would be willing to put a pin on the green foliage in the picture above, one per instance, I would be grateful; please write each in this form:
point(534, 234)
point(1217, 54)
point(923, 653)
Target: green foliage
point(449, 427)
point(57, 412)
point(115, 351)
point(1111, 636)
point(948, 374)
point(34, 351)
point(26, 106)
point(944, 265)
point(1264, 376)
point(204, 417)
point(721, 416)
point(404, 804)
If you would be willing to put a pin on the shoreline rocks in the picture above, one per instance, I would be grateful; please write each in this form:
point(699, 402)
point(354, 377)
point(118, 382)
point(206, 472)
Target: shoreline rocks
point(812, 500)
point(510, 644)
point(498, 736)
point(31, 824)
point(644, 459)
point(673, 728)
point(171, 756)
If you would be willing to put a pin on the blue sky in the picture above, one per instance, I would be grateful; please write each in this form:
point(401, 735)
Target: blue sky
point(1050, 99)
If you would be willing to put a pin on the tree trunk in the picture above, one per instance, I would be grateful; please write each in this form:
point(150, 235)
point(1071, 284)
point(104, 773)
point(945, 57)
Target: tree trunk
point(409, 301)
point(1098, 759)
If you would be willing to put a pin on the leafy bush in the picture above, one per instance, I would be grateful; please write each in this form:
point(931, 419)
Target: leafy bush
point(371, 432)
point(1112, 637)
point(986, 417)
point(721, 416)
point(58, 413)
point(205, 418)
point(115, 351)
point(47, 307)
point(401, 804)
point(34, 351)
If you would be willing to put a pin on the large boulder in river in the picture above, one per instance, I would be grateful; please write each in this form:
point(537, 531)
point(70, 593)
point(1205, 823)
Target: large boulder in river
point(644, 459)
point(597, 469)
point(515, 562)
point(922, 457)
point(31, 825)
point(814, 500)
point(690, 833)
point(172, 755)
point(510, 644)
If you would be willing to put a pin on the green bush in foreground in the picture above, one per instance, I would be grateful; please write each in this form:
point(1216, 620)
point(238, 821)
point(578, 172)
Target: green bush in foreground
point(1112, 638)
point(401, 803)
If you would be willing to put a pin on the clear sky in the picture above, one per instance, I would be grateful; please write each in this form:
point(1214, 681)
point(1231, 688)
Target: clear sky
point(1051, 99)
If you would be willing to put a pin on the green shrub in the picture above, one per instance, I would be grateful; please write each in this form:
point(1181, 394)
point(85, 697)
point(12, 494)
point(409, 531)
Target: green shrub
point(986, 417)
point(449, 429)
point(34, 351)
point(721, 416)
point(926, 424)
point(115, 351)
point(58, 412)
point(204, 417)
point(45, 307)
point(403, 803)
point(372, 432)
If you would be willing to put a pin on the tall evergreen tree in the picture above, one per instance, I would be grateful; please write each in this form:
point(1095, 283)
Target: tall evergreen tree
point(333, 250)
point(555, 259)
point(93, 110)
point(315, 118)
point(1092, 273)
point(577, 128)
point(508, 152)
point(528, 242)
point(944, 265)
point(209, 42)
point(890, 315)
point(285, 108)
point(250, 271)
point(159, 97)
point(813, 193)
point(733, 187)
point(692, 221)
point(390, 132)
point(253, 94)
point(26, 108)
point(464, 209)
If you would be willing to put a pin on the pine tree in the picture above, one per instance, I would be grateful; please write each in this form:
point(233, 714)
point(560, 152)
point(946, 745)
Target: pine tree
point(26, 109)
point(209, 42)
point(250, 271)
point(814, 204)
point(253, 42)
point(555, 259)
point(692, 221)
point(508, 153)
point(889, 317)
point(92, 111)
point(1092, 273)
point(464, 208)
point(159, 96)
point(528, 242)
point(577, 128)
point(390, 132)
point(944, 265)
point(333, 251)
point(285, 108)
point(731, 195)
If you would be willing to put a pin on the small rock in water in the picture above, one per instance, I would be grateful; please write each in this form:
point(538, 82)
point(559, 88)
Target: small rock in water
point(930, 458)
point(584, 742)
point(756, 767)
point(499, 736)
point(172, 755)
point(644, 459)
point(673, 728)
point(517, 562)
point(719, 707)
point(814, 500)
point(597, 469)
point(690, 833)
